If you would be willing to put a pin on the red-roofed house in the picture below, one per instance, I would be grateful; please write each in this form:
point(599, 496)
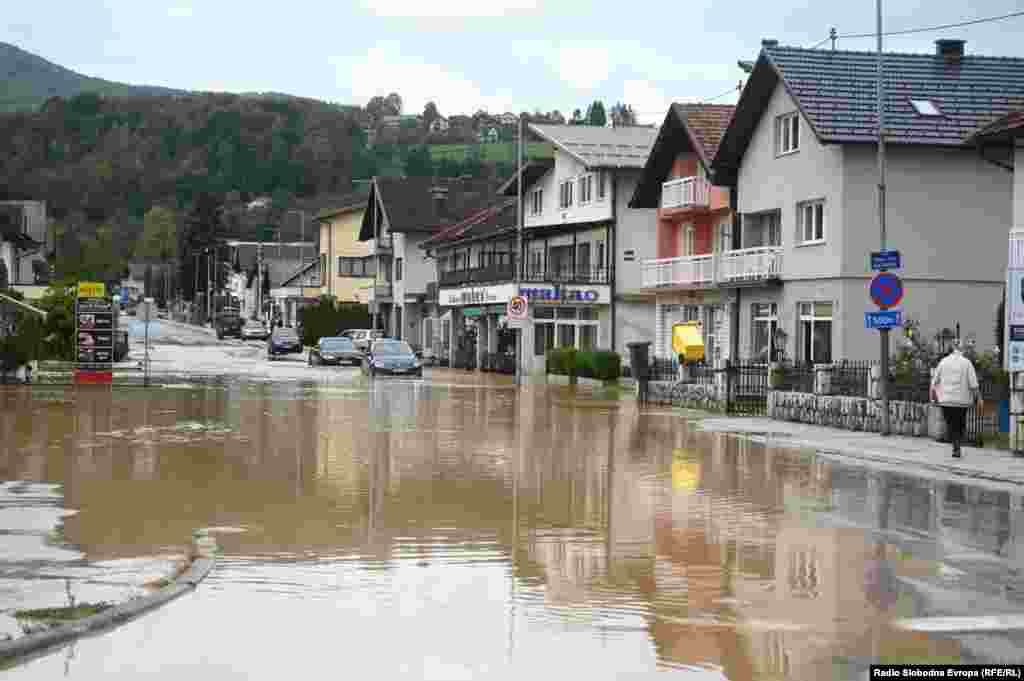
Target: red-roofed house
point(694, 226)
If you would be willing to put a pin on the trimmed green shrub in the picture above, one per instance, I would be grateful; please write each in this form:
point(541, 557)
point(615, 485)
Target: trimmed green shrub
point(602, 365)
point(562, 361)
point(329, 318)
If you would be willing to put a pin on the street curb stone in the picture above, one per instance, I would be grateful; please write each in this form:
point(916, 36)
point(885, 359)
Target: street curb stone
point(117, 614)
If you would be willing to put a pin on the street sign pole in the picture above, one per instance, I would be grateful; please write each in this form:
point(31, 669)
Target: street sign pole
point(518, 265)
point(883, 383)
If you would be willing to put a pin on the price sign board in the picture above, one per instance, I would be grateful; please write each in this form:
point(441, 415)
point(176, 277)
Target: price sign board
point(94, 336)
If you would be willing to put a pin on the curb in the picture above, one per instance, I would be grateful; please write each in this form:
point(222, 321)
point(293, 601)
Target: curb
point(117, 614)
point(879, 458)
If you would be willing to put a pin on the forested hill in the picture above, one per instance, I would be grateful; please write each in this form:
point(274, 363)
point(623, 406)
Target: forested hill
point(29, 80)
point(111, 159)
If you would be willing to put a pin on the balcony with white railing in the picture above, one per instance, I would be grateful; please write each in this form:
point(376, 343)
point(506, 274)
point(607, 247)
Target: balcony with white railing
point(380, 292)
point(687, 271)
point(685, 192)
point(750, 265)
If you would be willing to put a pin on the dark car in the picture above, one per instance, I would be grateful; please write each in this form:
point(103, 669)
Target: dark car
point(229, 325)
point(393, 358)
point(335, 350)
point(283, 341)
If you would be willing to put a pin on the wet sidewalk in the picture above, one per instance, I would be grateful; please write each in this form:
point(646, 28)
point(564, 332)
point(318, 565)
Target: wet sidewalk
point(39, 570)
point(918, 455)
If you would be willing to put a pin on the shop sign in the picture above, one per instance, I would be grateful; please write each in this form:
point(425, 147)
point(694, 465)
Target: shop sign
point(476, 295)
point(567, 295)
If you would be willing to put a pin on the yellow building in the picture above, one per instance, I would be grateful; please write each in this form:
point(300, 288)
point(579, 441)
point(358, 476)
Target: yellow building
point(346, 264)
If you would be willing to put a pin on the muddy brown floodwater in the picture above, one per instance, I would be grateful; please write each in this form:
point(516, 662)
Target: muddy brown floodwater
point(457, 528)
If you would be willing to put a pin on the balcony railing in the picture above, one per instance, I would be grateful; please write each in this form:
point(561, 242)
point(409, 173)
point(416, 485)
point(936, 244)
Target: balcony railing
point(380, 291)
point(750, 264)
point(486, 274)
point(696, 270)
point(685, 192)
point(567, 274)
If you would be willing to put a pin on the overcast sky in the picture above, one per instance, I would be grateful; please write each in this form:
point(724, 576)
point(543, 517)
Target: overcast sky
point(468, 54)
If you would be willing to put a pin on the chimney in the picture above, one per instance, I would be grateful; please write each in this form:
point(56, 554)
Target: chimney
point(769, 42)
point(950, 50)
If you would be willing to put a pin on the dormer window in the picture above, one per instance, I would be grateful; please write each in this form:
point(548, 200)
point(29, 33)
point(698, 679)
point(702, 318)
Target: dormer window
point(925, 107)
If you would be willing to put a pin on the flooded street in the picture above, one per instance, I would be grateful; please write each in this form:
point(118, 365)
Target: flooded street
point(458, 528)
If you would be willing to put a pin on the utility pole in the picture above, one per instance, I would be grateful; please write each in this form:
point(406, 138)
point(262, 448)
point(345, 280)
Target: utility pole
point(519, 247)
point(883, 382)
point(259, 281)
point(376, 257)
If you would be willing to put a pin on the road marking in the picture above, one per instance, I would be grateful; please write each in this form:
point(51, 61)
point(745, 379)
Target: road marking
point(962, 624)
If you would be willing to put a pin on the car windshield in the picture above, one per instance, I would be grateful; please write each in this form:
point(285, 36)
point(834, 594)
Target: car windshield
point(335, 344)
point(391, 348)
point(253, 325)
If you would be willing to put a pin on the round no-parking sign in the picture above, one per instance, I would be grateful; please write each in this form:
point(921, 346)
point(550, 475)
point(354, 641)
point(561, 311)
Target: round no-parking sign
point(886, 290)
point(517, 308)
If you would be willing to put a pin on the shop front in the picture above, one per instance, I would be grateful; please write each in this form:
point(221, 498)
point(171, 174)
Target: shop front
point(478, 337)
point(565, 317)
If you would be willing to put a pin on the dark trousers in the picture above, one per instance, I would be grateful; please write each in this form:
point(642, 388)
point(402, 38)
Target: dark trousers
point(956, 418)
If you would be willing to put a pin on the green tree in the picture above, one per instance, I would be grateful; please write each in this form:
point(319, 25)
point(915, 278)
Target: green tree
point(418, 163)
point(577, 118)
point(623, 115)
point(430, 114)
point(596, 114)
point(160, 240)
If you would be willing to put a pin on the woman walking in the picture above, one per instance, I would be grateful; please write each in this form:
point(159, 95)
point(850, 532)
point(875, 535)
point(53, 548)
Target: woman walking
point(955, 388)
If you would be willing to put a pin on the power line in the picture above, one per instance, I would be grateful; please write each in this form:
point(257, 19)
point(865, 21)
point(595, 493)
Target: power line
point(970, 22)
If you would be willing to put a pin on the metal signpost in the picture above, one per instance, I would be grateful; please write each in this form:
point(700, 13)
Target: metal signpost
point(146, 312)
point(883, 332)
point(94, 334)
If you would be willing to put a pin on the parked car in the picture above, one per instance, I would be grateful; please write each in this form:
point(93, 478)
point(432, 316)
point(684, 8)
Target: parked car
point(254, 330)
point(335, 350)
point(229, 325)
point(363, 337)
point(392, 357)
point(283, 341)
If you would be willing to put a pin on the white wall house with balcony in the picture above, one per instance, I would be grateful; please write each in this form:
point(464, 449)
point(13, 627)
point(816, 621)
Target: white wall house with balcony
point(582, 238)
point(802, 163)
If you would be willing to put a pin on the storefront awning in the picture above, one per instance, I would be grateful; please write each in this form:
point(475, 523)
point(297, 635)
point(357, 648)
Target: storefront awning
point(688, 341)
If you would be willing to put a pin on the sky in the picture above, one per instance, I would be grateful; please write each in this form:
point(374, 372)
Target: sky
point(465, 55)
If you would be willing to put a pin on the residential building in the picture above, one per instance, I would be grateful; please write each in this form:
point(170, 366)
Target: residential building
point(800, 158)
point(24, 241)
point(297, 290)
point(439, 124)
point(508, 118)
point(584, 244)
point(691, 271)
point(400, 214)
point(346, 263)
point(579, 263)
point(399, 121)
point(488, 135)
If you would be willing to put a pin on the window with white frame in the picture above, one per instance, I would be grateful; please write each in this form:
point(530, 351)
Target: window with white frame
point(599, 257)
point(810, 221)
point(787, 133)
point(600, 185)
point(688, 235)
point(586, 187)
point(815, 344)
point(725, 236)
point(764, 331)
point(565, 194)
point(537, 202)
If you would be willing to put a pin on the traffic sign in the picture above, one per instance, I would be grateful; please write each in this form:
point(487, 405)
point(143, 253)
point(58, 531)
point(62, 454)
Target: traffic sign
point(883, 319)
point(886, 290)
point(885, 260)
point(518, 308)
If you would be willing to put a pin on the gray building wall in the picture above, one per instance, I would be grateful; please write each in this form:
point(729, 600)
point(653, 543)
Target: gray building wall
point(634, 322)
point(948, 214)
point(770, 182)
point(636, 229)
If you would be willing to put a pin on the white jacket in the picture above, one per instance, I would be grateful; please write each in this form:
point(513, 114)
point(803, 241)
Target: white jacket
point(955, 381)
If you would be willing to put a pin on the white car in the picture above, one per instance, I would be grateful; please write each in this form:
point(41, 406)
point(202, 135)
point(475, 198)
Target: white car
point(361, 337)
point(254, 330)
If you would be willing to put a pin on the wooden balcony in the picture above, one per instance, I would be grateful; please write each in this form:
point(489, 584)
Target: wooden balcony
point(693, 271)
point(685, 192)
